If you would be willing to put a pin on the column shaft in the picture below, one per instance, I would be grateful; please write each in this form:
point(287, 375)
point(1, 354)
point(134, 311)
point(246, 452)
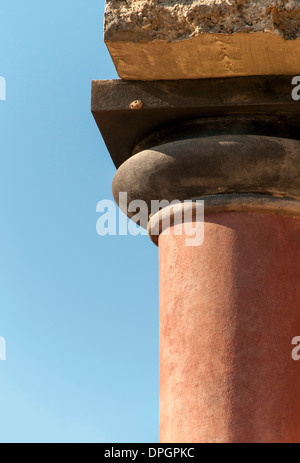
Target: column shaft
point(229, 310)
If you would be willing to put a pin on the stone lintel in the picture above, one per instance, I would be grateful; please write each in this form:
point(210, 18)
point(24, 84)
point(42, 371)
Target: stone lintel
point(167, 39)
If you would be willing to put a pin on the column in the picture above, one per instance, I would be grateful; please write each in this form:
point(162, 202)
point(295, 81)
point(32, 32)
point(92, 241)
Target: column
point(204, 111)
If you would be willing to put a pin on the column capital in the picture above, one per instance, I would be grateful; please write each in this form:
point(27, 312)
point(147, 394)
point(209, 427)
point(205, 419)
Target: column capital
point(221, 167)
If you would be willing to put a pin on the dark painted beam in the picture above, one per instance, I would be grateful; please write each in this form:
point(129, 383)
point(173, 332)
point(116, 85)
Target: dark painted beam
point(187, 108)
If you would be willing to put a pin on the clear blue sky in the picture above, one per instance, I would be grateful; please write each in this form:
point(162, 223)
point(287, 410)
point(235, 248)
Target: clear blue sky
point(79, 312)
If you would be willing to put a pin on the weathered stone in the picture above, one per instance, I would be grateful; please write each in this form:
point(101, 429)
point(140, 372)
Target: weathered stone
point(167, 39)
point(219, 165)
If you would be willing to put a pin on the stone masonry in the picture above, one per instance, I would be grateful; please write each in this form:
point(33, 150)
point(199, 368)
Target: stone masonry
point(167, 39)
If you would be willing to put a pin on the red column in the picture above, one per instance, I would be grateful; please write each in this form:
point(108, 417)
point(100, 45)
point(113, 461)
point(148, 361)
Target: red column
point(229, 310)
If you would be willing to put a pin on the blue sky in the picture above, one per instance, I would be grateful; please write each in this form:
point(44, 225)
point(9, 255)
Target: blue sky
point(79, 312)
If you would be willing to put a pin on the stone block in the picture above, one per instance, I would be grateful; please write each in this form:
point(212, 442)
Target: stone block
point(190, 39)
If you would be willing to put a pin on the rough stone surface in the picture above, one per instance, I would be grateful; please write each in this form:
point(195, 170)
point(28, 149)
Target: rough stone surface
point(146, 20)
point(167, 39)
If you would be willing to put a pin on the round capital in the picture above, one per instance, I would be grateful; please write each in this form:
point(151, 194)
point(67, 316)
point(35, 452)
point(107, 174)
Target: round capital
point(212, 166)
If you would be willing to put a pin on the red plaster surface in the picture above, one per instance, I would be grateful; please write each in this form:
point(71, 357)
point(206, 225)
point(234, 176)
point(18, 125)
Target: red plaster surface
point(229, 310)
